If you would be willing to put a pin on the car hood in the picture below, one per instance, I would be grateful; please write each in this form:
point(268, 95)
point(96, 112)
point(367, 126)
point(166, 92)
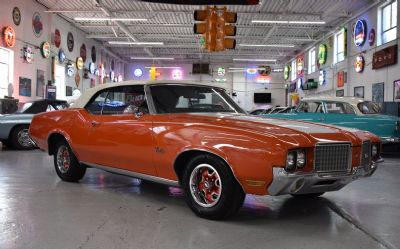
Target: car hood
point(292, 131)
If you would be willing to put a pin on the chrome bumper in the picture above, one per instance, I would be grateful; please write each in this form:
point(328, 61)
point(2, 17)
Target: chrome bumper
point(390, 140)
point(304, 183)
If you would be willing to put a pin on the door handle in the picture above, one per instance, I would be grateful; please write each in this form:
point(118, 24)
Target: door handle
point(95, 123)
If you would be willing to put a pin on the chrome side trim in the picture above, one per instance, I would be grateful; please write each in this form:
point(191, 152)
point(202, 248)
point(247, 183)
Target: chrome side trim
point(134, 174)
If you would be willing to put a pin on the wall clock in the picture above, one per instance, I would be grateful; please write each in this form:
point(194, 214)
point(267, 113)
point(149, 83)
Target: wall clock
point(16, 15)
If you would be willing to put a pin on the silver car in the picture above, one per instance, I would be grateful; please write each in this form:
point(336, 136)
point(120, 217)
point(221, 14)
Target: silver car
point(14, 127)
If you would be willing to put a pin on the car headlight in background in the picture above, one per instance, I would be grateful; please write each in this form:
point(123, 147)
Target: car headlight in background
point(374, 150)
point(295, 159)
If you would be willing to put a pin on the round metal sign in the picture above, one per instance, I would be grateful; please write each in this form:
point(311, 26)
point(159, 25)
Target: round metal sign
point(37, 24)
point(16, 15)
point(93, 54)
point(371, 37)
point(286, 72)
point(57, 38)
point(61, 56)
point(264, 70)
point(77, 79)
point(91, 68)
point(83, 52)
point(45, 49)
point(28, 54)
point(70, 41)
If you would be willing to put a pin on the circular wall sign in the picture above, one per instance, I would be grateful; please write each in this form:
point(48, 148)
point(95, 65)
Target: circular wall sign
point(93, 54)
point(45, 50)
point(322, 54)
point(77, 79)
point(16, 15)
point(360, 33)
point(91, 68)
point(9, 36)
point(79, 63)
point(61, 56)
point(138, 72)
point(83, 52)
point(70, 41)
point(57, 38)
point(359, 64)
point(264, 70)
point(70, 70)
point(37, 24)
point(286, 72)
point(371, 37)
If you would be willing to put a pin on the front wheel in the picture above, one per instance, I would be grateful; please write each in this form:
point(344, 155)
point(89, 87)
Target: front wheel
point(20, 138)
point(67, 166)
point(211, 190)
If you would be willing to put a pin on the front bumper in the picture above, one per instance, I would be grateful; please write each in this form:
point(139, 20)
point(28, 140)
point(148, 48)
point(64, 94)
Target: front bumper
point(305, 183)
point(390, 140)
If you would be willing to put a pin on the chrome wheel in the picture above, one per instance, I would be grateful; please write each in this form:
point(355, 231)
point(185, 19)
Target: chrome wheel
point(205, 185)
point(63, 159)
point(23, 138)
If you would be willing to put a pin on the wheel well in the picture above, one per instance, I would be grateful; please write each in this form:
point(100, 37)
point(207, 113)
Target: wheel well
point(52, 141)
point(15, 127)
point(184, 157)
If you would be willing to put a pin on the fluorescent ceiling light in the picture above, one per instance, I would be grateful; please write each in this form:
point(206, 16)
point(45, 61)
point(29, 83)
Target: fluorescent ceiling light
point(164, 67)
point(237, 68)
point(110, 19)
point(153, 58)
point(277, 70)
point(288, 22)
point(135, 43)
point(268, 45)
point(242, 59)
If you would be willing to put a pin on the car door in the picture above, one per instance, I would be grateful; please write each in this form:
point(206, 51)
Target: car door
point(117, 136)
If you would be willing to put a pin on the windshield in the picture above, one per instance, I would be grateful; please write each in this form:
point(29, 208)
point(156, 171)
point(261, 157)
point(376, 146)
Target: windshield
point(369, 107)
point(185, 99)
point(23, 108)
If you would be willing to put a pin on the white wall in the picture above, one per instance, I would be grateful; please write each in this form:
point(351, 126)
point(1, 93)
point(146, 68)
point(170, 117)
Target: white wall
point(368, 76)
point(25, 36)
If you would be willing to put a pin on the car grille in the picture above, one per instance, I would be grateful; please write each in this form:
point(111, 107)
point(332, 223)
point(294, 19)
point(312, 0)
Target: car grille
point(366, 153)
point(332, 158)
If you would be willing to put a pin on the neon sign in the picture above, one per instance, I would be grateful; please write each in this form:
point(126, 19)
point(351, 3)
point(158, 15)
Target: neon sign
point(251, 71)
point(177, 74)
point(138, 72)
point(359, 64)
point(300, 65)
point(286, 72)
point(322, 54)
point(9, 36)
point(221, 71)
point(360, 33)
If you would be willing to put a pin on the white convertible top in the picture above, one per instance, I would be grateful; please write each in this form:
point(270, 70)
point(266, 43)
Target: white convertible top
point(350, 100)
point(88, 94)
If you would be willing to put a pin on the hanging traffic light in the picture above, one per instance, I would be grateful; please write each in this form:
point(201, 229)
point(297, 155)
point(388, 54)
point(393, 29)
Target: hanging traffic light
point(214, 29)
point(223, 30)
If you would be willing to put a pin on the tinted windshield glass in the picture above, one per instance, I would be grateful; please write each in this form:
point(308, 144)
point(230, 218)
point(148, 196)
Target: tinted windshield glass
point(369, 107)
point(181, 99)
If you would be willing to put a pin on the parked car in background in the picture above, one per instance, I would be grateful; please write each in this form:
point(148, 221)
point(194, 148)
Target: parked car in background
point(348, 112)
point(197, 137)
point(260, 111)
point(14, 127)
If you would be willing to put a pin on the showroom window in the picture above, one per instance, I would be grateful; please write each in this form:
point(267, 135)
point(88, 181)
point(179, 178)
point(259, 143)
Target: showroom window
point(6, 71)
point(339, 46)
point(387, 23)
point(311, 61)
point(118, 100)
point(293, 70)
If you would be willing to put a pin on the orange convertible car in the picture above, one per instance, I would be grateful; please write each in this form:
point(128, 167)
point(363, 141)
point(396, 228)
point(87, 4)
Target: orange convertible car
point(196, 137)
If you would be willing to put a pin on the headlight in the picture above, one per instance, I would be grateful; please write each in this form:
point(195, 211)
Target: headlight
point(290, 161)
point(295, 159)
point(374, 150)
point(301, 159)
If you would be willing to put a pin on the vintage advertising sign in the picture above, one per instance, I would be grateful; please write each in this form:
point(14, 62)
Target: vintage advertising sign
point(385, 57)
point(359, 64)
point(45, 50)
point(360, 33)
point(9, 36)
point(322, 54)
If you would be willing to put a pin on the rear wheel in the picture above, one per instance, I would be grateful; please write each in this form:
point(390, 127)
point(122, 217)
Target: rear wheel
point(211, 190)
point(310, 196)
point(20, 138)
point(67, 166)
